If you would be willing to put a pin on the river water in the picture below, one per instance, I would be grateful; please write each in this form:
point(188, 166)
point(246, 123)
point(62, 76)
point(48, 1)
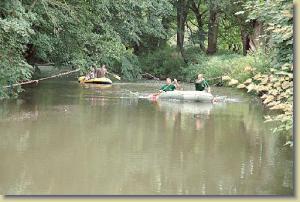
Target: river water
point(61, 137)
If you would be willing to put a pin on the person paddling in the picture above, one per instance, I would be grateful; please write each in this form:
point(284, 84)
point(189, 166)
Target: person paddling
point(169, 86)
point(201, 84)
point(91, 73)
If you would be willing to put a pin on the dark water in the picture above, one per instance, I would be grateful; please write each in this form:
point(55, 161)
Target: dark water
point(64, 138)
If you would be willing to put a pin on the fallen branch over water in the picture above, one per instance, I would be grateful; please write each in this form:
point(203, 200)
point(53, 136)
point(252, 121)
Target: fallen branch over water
point(150, 75)
point(37, 80)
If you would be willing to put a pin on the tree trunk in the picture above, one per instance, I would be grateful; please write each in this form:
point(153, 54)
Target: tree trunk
point(201, 33)
point(251, 39)
point(255, 39)
point(213, 26)
point(245, 41)
point(182, 10)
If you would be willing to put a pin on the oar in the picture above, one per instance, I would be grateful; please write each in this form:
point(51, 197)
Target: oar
point(115, 76)
point(155, 96)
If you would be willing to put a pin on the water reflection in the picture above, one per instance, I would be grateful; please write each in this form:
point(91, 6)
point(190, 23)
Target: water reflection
point(87, 141)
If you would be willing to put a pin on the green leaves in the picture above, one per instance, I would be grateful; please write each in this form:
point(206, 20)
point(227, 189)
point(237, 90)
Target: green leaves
point(277, 17)
point(15, 32)
point(77, 33)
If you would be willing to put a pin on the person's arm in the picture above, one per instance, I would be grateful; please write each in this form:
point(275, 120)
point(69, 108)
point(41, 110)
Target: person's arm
point(207, 86)
point(177, 86)
point(160, 91)
point(162, 88)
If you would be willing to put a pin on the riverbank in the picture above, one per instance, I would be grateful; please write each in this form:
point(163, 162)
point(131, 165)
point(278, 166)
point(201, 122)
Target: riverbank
point(168, 62)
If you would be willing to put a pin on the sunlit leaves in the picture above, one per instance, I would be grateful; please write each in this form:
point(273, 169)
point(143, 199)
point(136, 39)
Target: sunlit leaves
point(226, 78)
point(233, 82)
point(276, 91)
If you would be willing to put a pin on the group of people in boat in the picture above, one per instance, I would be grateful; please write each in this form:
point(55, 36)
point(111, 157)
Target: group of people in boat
point(200, 85)
point(96, 72)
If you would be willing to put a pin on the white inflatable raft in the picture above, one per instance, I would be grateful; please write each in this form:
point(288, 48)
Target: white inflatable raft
point(198, 96)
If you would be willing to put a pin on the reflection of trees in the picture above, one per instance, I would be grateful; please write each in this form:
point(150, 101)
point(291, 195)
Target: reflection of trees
point(133, 147)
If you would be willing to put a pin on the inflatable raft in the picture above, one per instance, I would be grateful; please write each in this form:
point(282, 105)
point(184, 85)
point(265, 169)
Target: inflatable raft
point(197, 96)
point(102, 80)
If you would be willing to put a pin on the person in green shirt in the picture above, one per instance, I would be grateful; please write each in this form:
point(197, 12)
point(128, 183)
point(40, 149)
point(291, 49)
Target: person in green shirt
point(201, 84)
point(169, 86)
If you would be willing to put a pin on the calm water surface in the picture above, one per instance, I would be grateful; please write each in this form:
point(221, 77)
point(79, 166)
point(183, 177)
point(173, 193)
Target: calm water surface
point(65, 138)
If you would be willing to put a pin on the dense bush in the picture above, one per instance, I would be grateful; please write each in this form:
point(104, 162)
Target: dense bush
point(165, 62)
point(15, 32)
point(168, 62)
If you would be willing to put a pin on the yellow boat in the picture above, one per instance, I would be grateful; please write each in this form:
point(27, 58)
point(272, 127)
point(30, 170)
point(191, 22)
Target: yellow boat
point(102, 80)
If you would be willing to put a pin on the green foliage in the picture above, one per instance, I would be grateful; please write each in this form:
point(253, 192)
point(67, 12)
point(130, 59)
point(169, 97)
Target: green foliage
point(219, 65)
point(277, 17)
point(165, 62)
point(15, 32)
point(130, 67)
point(276, 91)
point(77, 33)
point(229, 35)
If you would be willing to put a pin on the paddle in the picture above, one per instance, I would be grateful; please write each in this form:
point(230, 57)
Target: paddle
point(114, 75)
point(154, 96)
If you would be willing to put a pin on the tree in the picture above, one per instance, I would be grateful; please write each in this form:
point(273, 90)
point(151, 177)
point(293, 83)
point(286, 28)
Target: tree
point(213, 25)
point(77, 33)
point(182, 12)
point(199, 15)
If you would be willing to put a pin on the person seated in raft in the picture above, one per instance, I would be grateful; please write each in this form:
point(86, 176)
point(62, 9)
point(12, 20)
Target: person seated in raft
point(201, 84)
point(90, 74)
point(169, 86)
point(100, 72)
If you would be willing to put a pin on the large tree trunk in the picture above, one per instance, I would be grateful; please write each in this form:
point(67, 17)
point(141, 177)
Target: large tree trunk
point(255, 40)
point(30, 54)
point(250, 36)
point(213, 26)
point(245, 41)
point(182, 11)
point(198, 16)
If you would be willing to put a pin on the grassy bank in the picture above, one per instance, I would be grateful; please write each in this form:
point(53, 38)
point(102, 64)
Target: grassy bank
point(168, 62)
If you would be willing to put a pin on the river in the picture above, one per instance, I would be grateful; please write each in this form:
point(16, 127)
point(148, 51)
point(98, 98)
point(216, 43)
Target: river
point(61, 137)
